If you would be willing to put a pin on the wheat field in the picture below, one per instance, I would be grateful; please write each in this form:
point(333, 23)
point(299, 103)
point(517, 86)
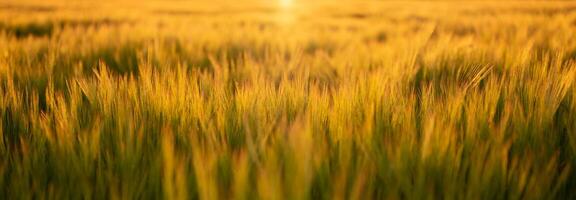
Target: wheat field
point(284, 99)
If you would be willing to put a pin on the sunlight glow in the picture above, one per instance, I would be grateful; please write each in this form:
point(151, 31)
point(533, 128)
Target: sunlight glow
point(285, 3)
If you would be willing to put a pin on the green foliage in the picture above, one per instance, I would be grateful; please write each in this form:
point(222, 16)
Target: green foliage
point(404, 101)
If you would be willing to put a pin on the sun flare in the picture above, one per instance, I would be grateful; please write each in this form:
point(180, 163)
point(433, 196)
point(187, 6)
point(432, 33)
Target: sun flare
point(286, 3)
point(287, 99)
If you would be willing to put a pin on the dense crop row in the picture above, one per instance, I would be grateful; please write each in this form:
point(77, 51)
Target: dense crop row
point(320, 101)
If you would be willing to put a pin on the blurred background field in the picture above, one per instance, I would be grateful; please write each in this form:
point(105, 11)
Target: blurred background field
point(287, 99)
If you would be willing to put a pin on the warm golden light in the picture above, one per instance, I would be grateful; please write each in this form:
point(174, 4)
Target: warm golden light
point(286, 3)
point(287, 99)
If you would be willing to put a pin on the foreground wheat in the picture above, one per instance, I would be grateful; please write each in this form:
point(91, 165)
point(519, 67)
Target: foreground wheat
point(325, 100)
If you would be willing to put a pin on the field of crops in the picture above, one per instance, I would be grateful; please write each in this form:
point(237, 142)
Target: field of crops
point(281, 99)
